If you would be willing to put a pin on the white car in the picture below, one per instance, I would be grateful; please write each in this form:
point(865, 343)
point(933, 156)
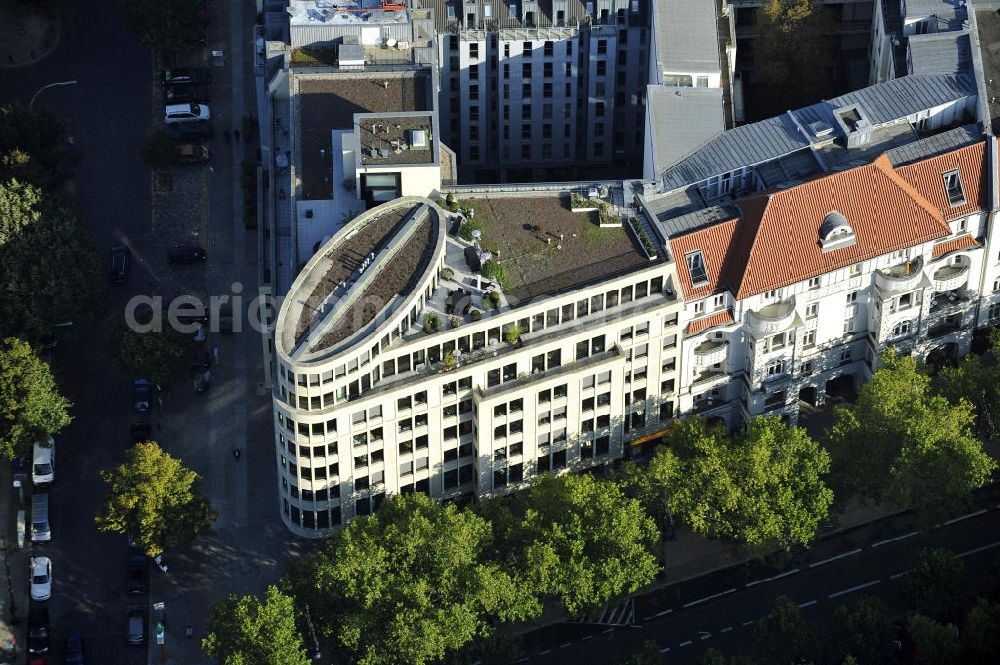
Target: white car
point(43, 463)
point(41, 578)
point(186, 113)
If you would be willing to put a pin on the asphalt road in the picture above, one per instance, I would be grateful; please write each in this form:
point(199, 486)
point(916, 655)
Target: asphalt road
point(705, 615)
point(108, 113)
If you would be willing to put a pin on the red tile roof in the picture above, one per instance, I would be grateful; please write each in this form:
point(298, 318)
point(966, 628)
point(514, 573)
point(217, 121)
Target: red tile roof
point(964, 242)
point(710, 321)
point(776, 242)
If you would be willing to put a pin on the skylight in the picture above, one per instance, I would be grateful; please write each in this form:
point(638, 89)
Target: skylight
point(696, 267)
point(953, 186)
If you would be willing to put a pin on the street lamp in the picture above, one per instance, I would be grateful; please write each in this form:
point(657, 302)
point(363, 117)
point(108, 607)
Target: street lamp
point(31, 104)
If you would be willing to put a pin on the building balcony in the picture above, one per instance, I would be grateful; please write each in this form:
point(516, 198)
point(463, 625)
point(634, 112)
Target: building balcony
point(774, 317)
point(707, 404)
point(710, 352)
point(951, 277)
point(702, 379)
point(945, 328)
point(901, 277)
point(950, 301)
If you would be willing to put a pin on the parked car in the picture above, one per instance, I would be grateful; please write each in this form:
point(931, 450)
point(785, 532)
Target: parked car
point(137, 572)
point(135, 624)
point(41, 530)
point(74, 650)
point(139, 432)
point(193, 152)
point(187, 75)
point(41, 578)
point(38, 629)
point(185, 93)
point(43, 463)
point(176, 113)
point(121, 258)
point(186, 254)
point(142, 395)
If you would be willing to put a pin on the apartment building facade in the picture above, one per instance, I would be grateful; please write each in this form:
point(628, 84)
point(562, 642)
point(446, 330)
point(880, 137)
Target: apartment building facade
point(530, 91)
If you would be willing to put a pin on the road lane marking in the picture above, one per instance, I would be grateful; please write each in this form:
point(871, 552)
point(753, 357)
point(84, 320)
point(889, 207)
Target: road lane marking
point(771, 579)
point(807, 604)
point(707, 598)
point(587, 637)
point(523, 660)
point(747, 623)
point(855, 588)
point(896, 539)
point(834, 558)
point(896, 576)
point(660, 614)
point(664, 649)
point(726, 629)
point(705, 637)
point(965, 517)
point(684, 644)
point(565, 644)
point(609, 630)
point(979, 549)
point(542, 653)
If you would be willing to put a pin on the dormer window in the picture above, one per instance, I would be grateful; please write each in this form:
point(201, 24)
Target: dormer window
point(696, 267)
point(953, 187)
point(835, 232)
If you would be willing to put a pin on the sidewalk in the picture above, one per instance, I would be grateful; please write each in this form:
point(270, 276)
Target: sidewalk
point(14, 593)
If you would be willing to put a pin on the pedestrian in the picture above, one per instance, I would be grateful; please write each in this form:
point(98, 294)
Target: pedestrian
point(228, 135)
point(236, 454)
point(188, 632)
point(236, 134)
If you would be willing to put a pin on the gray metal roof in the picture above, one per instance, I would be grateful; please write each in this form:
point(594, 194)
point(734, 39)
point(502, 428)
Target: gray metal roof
point(946, 11)
point(673, 226)
point(686, 35)
point(770, 139)
point(500, 15)
point(683, 120)
point(940, 53)
point(936, 145)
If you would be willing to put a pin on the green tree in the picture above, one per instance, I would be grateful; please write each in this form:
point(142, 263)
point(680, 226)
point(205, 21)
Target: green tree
point(978, 383)
point(792, 43)
point(714, 657)
point(862, 630)
point(163, 24)
point(159, 150)
point(784, 636)
point(160, 357)
point(49, 266)
point(936, 585)
point(246, 631)
point(981, 634)
point(903, 443)
point(648, 653)
point(583, 542)
point(937, 643)
point(34, 148)
point(410, 584)
point(31, 408)
point(762, 489)
point(155, 499)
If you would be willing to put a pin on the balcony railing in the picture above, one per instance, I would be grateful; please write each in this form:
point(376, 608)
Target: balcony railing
point(774, 317)
point(901, 277)
point(949, 301)
point(951, 277)
point(711, 351)
point(943, 329)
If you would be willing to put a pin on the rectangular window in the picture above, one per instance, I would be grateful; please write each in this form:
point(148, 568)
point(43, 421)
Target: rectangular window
point(814, 283)
point(696, 267)
point(812, 310)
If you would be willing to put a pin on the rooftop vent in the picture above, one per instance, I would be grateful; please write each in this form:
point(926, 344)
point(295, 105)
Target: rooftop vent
point(418, 138)
point(854, 125)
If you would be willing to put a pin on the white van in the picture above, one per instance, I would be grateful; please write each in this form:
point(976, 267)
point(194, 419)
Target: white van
point(43, 463)
point(41, 531)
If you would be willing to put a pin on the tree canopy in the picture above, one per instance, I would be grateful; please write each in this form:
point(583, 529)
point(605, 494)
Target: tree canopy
point(761, 489)
point(583, 542)
point(936, 585)
point(34, 148)
point(160, 357)
point(978, 383)
point(903, 443)
point(792, 43)
point(246, 631)
point(31, 408)
point(937, 643)
point(862, 629)
point(49, 265)
point(164, 24)
point(410, 583)
point(784, 636)
point(156, 499)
